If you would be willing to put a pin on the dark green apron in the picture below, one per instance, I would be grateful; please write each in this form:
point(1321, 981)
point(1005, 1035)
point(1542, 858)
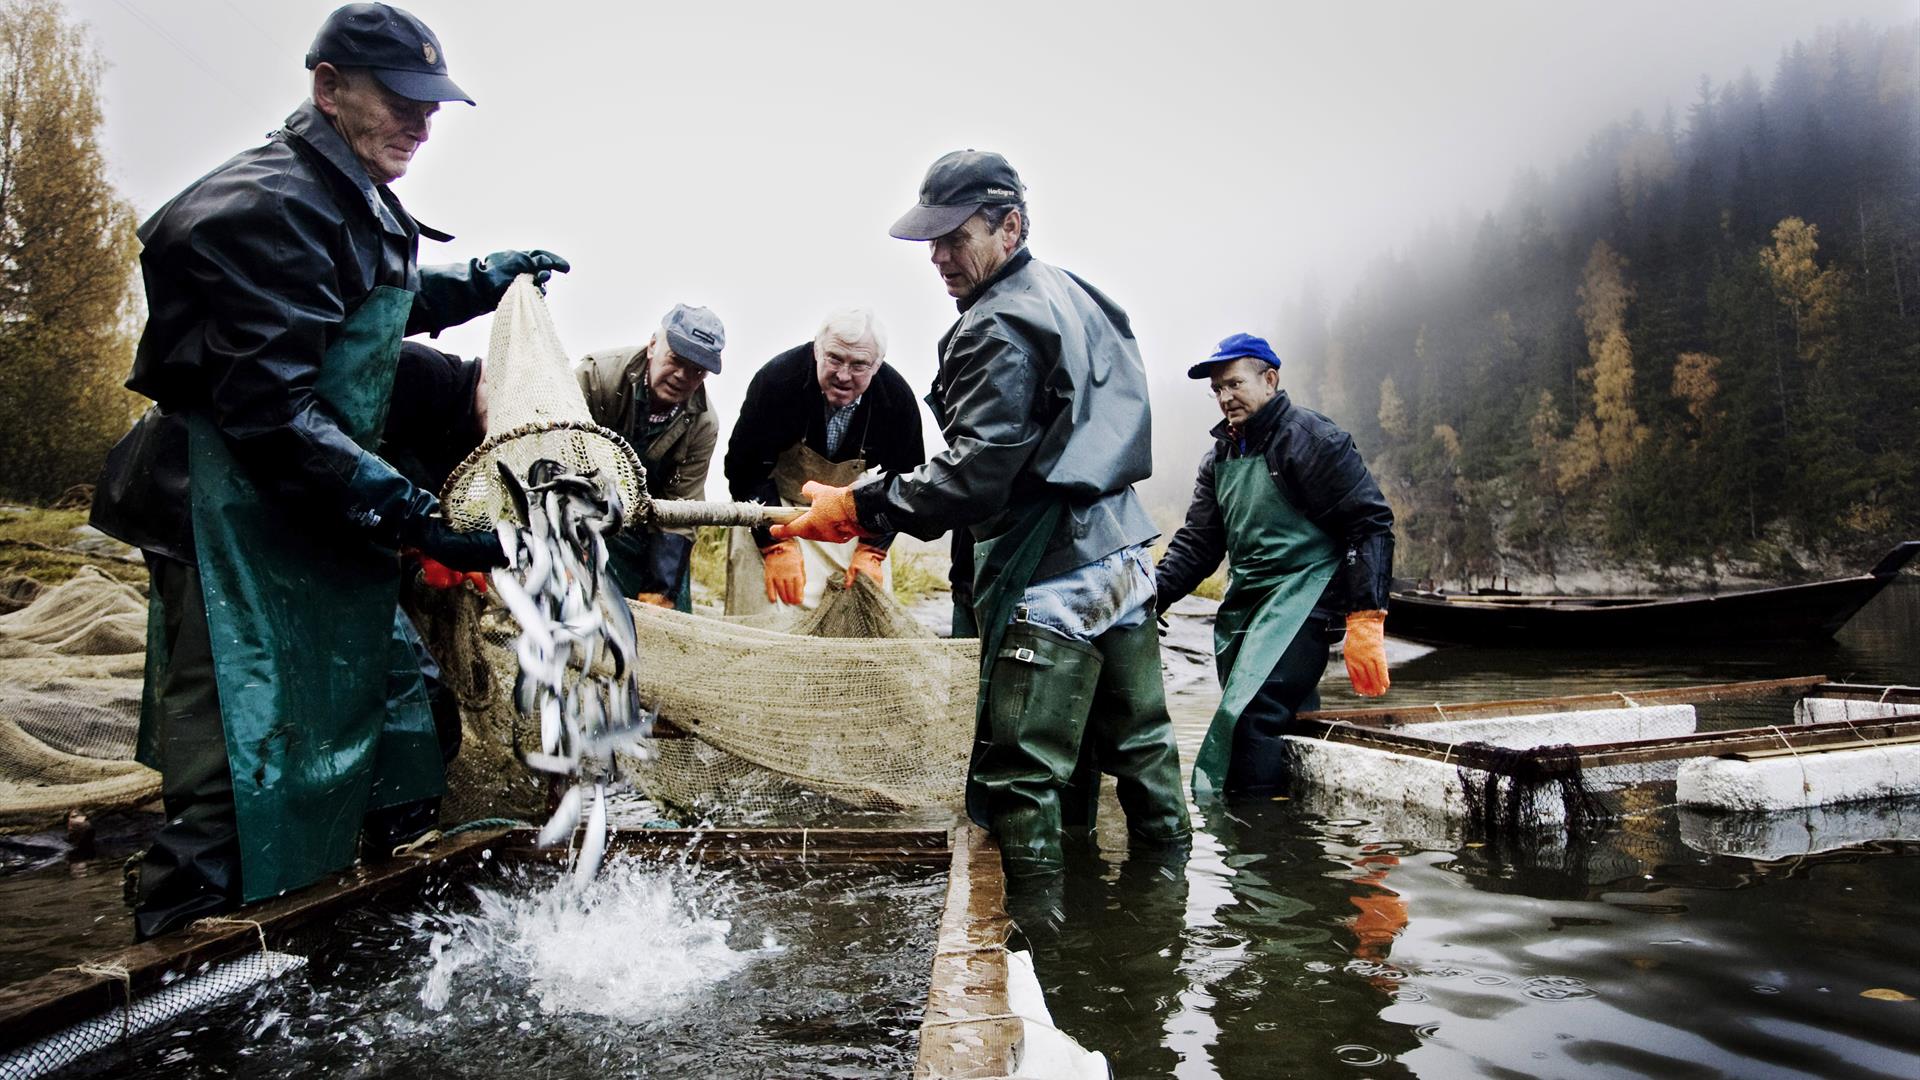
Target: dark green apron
point(1002, 569)
point(1278, 564)
point(305, 634)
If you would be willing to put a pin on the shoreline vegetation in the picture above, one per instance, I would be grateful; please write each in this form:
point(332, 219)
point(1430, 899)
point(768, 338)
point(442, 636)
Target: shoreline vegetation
point(1689, 356)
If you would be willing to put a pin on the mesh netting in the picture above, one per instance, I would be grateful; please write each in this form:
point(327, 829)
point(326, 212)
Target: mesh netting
point(839, 707)
point(534, 410)
point(71, 665)
point(143, 1014)
point(849, 704)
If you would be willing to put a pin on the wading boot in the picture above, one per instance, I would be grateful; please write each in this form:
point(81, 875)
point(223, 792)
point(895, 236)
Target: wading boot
point(192, 869)
point(1037, 701)
point(1133, 739)
point(1259, 766)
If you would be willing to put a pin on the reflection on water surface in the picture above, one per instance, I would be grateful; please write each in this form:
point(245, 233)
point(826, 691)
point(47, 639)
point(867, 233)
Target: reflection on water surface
point(1296, 946)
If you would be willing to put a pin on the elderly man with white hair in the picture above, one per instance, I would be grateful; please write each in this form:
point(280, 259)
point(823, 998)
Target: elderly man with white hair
point(827, 411)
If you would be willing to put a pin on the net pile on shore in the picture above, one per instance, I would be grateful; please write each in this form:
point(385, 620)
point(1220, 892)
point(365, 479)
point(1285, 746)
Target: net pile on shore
point(71, 666)
point(852, 704)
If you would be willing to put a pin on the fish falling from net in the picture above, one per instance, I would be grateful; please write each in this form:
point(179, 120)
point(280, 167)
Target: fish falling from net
point(577, 646)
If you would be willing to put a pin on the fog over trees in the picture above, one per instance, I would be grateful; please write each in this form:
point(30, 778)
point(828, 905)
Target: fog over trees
point(1698, 341)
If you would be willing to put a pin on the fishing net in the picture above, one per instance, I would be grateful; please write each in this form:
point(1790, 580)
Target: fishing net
point(131, 1019)
point(849, 704)
point(535, 410)
point(71, 666)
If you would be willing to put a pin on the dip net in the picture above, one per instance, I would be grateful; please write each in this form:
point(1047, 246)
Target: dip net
point(849, 705)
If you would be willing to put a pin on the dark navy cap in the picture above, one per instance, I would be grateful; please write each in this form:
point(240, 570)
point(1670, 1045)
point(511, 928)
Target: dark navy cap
point(1233, 348)
point(695, 335)
point(957, 186)
point(403, 53)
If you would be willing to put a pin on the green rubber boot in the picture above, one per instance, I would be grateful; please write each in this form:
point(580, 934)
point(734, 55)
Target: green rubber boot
point(1133, 739)
point(1038, 697)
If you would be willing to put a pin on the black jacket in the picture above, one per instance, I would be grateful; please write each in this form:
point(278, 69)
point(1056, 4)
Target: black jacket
point(1041, 395)
point(784, 406)
point(1317, 469)
point(250, 273)
point(432, 422)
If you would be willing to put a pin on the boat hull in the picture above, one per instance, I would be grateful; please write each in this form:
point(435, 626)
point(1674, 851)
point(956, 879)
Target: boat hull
point(1813, 611)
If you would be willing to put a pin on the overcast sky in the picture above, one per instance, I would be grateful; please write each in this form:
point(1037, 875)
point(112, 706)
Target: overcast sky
point(1196, 161)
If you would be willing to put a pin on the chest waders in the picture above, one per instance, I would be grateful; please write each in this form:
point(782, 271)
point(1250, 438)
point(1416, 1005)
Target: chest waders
point(1278, 565)
point(305, 639)
point(746, 570)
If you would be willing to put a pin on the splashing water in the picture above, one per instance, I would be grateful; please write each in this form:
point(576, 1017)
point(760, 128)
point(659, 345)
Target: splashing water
point(639, 941)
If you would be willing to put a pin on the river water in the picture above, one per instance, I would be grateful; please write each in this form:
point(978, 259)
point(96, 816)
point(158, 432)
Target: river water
point(1292, 945)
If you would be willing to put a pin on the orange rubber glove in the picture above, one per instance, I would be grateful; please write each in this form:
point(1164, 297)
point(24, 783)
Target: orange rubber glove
point(1367, 653)
point(786, 572)
point(654, 598)
point(438, 575)
point(871, 561)
point(831, 519)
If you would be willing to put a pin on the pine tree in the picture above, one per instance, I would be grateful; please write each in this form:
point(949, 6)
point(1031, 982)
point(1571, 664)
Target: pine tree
point(67, 252)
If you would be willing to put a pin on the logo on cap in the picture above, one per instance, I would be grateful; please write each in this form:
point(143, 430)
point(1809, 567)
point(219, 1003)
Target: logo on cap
point(427, 50)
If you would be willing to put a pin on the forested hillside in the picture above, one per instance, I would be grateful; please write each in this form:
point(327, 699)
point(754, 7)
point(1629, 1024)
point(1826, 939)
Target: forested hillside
point(1697, 343)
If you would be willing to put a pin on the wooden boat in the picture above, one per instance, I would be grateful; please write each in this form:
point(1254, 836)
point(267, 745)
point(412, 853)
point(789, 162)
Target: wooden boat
point(1813, 611)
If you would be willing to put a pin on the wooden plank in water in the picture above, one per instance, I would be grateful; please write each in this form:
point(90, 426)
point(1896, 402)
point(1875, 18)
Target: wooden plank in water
point(1837, 734)
point(765, 845)
point(968, 1031)
point(1889, 695)
point(1790, 751)
point(39, 1007)
point(1395, 716)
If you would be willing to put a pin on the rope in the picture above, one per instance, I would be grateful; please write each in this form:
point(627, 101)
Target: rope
point(488, 823)
point(413, 847)
point(119, 974)
point(219, 922)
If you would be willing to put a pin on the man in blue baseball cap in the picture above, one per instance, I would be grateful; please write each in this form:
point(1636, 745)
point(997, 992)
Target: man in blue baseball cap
point(1284, 496)
point(284, 697)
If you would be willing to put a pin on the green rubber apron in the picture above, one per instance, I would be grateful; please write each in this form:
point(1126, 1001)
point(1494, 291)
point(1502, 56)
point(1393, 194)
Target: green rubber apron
point(305, 635)
point(1002, 569)
point(1278, 564)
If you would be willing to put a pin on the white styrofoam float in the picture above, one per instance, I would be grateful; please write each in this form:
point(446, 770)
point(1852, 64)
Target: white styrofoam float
point(1425, 797)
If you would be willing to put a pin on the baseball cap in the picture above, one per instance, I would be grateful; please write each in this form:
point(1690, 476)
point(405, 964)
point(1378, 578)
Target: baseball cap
point(403, 54)
point(1234, 347)
point(957, 186)
point(695, 335)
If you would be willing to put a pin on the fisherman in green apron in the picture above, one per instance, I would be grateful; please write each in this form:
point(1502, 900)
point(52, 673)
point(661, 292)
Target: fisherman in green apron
point(826, 411)
point(1308, 539)
point(655, 397)
point(284, 704)
point(1042, 399)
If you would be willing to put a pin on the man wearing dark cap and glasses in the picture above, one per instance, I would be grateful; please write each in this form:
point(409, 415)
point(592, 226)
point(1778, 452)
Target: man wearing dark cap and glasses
point(655, 396)
point(1284, 497)
point(1042, 398)
point(284, 702)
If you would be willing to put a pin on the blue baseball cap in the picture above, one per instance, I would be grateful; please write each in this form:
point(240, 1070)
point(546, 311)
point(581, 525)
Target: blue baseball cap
point(402, 53)
point(1233, 348)
point(695, 335)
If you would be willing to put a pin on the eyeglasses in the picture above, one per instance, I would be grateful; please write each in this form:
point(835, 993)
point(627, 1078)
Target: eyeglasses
point(1231, 386)
point(858, 366)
